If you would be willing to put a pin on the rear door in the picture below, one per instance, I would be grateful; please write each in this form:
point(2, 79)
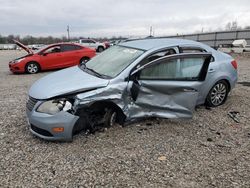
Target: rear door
point(88, 43)
point(84, 42)
point(168, 87)
point(92, 44)
point(71, 55)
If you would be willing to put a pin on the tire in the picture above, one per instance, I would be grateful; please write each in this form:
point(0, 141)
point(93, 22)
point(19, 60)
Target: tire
point(32, 68)
point(218, 94)
point(100, 49)
point(84, 60)
point(109, 117)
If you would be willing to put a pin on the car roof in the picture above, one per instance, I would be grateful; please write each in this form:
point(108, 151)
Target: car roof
point(62, 43)
point(148, 44)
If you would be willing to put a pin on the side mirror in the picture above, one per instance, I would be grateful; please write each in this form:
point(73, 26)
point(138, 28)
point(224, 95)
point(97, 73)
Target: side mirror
point(45, 53)
point(134, 89)
point(134, 85)
point(132, 77)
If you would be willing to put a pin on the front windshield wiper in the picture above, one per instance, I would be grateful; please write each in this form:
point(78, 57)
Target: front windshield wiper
point(84, 67)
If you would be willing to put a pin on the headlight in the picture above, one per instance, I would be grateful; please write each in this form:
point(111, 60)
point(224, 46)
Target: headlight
point(54, 106)
point(19, 60)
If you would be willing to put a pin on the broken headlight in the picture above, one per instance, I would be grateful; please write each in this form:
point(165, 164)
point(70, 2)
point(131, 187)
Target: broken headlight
point(54, 106)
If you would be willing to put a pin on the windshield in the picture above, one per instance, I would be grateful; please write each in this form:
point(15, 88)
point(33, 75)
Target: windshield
point(113, 60)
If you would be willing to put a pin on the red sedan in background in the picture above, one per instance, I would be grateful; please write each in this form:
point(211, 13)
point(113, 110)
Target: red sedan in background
point(54, 56)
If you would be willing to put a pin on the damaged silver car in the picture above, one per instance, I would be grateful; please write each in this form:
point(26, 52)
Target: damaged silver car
point(163, 78)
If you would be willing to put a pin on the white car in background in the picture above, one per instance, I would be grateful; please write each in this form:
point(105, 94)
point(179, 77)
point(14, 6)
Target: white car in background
point(226, 48)
point(90, 43)
point(237, 46)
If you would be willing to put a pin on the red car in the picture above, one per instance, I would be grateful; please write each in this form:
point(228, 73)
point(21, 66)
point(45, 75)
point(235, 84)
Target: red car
point(54, 56)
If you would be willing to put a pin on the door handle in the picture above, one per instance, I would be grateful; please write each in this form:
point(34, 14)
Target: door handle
point(211, 70)
point(189, 90)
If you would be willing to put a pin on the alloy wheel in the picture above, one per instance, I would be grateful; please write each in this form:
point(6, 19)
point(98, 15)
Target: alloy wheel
point(32, 68)
point(218, 94)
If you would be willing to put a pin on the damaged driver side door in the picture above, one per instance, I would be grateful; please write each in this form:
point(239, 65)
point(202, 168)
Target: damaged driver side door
point(168, 87)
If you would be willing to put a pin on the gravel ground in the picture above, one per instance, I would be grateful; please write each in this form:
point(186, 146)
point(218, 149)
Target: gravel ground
point(210, 150)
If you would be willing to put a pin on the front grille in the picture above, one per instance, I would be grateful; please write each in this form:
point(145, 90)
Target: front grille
point(40, 131)
point(31, 103)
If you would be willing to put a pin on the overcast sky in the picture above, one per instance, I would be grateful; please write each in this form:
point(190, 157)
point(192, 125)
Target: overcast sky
point(100, 18)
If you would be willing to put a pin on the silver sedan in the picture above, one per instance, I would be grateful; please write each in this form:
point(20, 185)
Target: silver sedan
point(163, 78)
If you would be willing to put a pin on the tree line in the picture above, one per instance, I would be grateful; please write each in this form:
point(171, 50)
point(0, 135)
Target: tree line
point(28, 40)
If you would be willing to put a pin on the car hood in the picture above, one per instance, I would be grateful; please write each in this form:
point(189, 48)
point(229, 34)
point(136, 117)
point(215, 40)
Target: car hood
point(64, 82)
point(29, 51)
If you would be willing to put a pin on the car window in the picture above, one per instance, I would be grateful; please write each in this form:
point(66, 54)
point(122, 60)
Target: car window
point(161, 54)
point(67, 47)
point(192, 50)
point(78, 47)
point(157, 55)
point(53, 49)
point(177, 69)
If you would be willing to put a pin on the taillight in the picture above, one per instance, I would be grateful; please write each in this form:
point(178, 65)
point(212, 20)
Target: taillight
point(234, 63)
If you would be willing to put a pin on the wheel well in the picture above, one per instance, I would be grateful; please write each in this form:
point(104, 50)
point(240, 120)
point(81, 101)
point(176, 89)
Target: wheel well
point(85, 57)
point(100, 47)
point(90, 115)
point(228, 84)
point(101, 105)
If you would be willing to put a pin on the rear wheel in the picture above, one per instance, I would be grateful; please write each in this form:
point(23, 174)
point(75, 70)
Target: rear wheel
point(32, 67)
point(84, 60)
point(218, 94)
point(100, 49)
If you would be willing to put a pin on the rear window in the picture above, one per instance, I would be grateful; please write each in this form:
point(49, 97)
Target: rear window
point(192, 50)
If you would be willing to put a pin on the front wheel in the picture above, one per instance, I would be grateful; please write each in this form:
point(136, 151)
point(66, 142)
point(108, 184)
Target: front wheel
point(32, 67)
point(109, 118)
point(218, 94)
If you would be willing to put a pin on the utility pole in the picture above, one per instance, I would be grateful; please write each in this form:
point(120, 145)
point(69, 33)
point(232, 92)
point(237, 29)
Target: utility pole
point(68, 32)
point(151, 30)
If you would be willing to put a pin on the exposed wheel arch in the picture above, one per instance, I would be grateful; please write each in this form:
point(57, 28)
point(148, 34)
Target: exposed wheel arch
point(101, 105)
point(86, 120)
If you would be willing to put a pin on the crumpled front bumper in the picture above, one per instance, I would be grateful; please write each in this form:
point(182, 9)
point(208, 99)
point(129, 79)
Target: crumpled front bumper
point(41, 124)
